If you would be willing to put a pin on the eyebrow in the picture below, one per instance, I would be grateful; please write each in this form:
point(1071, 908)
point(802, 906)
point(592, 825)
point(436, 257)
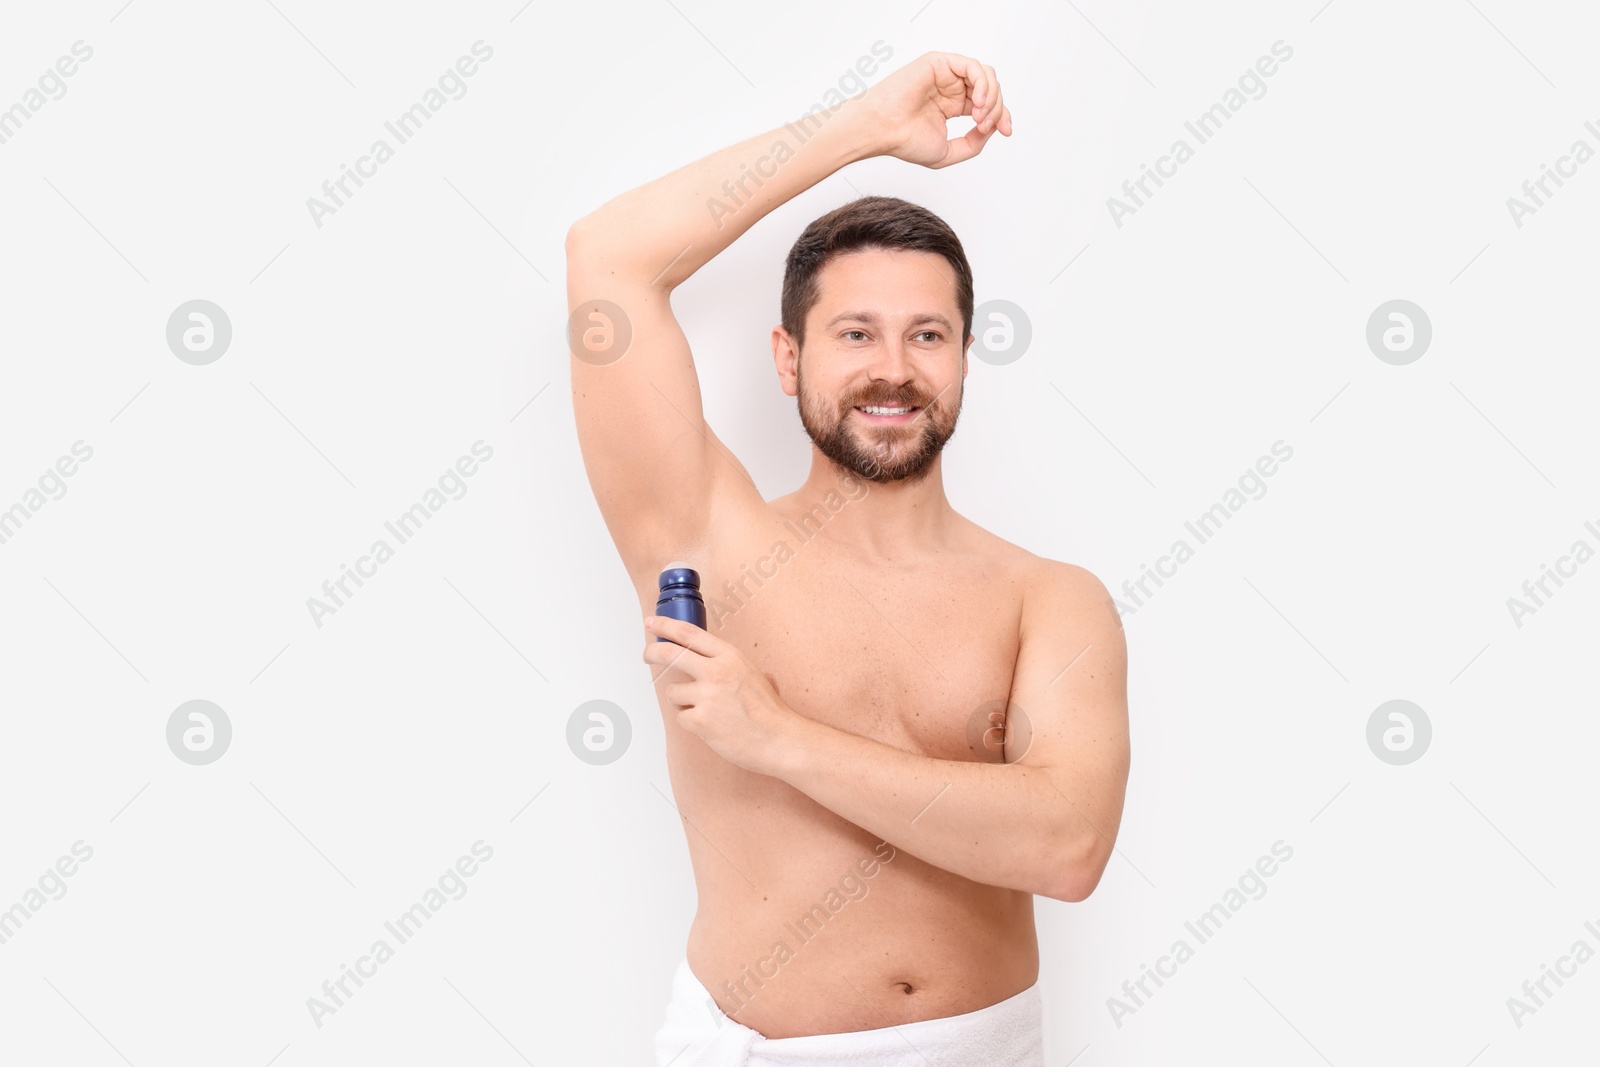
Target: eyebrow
point(872, 318)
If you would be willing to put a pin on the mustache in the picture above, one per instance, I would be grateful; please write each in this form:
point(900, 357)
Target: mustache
point(922, 406)
point(913, 400)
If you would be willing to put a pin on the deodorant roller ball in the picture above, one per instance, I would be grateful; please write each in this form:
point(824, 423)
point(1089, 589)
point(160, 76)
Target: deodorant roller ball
point(680, 596)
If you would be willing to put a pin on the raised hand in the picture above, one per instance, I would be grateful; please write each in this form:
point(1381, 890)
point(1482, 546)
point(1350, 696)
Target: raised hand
point(910, 107)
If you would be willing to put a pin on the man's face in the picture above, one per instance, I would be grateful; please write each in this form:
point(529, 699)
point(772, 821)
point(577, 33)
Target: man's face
point(885, 334)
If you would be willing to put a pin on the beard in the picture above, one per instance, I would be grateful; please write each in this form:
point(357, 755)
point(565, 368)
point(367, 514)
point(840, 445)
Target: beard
point(879, 452)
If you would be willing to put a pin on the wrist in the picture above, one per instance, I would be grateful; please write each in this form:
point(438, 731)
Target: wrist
point(853, 131)
point(791, 740)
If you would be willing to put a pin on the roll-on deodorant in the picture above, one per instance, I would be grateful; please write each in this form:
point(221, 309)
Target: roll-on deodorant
point(680, 596)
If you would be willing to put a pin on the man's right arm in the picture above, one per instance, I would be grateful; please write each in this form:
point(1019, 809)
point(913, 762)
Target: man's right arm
point(657, 470)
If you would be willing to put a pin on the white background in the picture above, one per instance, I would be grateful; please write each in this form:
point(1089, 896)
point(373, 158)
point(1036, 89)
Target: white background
point(428, 313)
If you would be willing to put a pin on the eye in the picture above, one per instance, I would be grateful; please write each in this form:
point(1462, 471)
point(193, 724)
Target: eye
point(933, 336)
point(863, 333)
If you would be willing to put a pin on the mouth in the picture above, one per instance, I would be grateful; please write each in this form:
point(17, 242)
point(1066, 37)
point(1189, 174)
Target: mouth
point(888, 415)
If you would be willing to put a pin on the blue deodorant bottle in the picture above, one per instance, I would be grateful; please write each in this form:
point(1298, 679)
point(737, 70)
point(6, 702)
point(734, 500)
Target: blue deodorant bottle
point(680, 596)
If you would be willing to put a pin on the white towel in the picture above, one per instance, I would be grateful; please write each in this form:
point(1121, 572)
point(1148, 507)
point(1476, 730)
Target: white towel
point(696, 1033)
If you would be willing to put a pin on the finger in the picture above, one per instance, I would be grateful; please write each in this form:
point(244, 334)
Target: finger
point(668, 657)
point(982, 94)
point(686, 634)
point(961, 149)
point(681, 694)
point(993, 100)
point(972, 77)
point(989, 113)
point(991, 96)
point(662, 653)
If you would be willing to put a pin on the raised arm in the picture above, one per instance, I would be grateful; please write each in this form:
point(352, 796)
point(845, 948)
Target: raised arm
point(657, 470)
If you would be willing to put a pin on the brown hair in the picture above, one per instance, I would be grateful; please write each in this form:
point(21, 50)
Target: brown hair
point(869, 222)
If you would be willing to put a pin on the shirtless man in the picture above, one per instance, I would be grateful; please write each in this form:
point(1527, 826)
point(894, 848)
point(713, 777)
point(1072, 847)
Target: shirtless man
point(896, 728)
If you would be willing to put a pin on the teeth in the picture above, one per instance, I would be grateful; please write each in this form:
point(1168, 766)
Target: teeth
point(871, 410)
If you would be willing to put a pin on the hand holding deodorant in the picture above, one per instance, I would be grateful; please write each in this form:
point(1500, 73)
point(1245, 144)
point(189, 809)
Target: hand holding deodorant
point(680, 596)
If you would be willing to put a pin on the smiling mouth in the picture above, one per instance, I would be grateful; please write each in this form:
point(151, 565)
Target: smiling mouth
point(885, 413)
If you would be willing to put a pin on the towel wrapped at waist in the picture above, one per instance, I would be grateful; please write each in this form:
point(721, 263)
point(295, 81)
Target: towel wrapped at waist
point(695, 1033)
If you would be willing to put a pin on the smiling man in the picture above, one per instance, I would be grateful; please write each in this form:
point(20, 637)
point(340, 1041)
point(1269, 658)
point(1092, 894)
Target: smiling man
point(909, 727)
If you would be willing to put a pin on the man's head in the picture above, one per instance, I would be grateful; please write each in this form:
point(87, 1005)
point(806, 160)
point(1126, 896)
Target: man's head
point(877, 299)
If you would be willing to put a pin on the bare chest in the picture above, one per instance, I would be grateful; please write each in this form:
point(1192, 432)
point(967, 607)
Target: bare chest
point(908, 654)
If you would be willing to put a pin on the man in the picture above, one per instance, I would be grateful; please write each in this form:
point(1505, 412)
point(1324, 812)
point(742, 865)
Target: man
point(896, 728)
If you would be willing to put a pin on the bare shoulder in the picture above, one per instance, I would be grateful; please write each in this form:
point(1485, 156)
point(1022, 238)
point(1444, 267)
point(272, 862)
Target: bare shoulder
point(1061, 601)
point(1075, 590)
point(1052, 586)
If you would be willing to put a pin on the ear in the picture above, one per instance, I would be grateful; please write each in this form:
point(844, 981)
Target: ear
point(785, 359)
point(964, 348)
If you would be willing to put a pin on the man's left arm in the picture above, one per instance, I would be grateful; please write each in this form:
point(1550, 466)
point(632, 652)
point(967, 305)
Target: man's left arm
point(1043, 822)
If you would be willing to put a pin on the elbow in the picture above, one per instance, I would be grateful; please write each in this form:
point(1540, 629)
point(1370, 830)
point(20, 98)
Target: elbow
point(594, 239)
point(595, 249)
point(1077, 871)
point(590, 258)
point(578, 238)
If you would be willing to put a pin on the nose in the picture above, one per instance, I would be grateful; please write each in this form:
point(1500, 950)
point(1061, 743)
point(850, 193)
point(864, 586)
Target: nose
point(893, 364)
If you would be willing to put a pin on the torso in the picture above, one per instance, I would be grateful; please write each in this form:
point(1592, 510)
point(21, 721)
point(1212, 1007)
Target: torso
point(903, 652)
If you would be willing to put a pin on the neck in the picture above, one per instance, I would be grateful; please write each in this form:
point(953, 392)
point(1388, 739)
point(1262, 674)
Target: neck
point(882, 520)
